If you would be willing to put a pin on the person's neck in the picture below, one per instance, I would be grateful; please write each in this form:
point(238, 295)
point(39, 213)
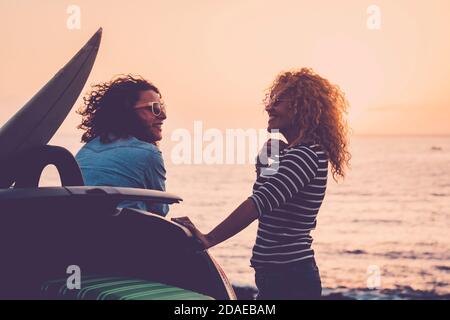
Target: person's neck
point(290, 134)
point(151, 141)
point(145, 138)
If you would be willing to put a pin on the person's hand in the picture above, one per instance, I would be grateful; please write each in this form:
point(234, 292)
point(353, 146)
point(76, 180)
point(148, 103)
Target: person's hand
point(266, 151)
point(187, 223)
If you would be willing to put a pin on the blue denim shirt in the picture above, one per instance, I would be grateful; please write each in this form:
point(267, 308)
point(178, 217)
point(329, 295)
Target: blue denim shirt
point(124, 163)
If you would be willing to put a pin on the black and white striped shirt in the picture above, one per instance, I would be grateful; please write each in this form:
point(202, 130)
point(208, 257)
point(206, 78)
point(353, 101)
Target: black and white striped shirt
point(288, 201)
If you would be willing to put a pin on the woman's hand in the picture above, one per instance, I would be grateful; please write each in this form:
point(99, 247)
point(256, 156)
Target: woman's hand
point(187, 223)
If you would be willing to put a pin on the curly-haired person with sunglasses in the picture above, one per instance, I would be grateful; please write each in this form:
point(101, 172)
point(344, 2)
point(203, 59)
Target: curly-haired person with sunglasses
point(122, 122)
point(287, 195)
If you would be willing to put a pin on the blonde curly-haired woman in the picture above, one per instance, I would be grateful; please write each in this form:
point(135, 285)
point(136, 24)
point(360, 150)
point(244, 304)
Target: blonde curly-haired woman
point(309, 111)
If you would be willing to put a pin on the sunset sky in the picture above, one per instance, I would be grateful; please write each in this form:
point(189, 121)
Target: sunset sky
point(213, 59)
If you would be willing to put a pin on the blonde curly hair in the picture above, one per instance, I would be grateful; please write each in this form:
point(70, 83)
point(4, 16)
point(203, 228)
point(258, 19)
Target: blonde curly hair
point(319, 112)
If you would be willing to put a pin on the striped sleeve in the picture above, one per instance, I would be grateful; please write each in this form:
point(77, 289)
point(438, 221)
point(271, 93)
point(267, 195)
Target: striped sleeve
point(295, 170)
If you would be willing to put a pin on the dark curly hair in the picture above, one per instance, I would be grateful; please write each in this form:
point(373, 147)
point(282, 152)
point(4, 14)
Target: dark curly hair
point(320, 108)
point(107, 110)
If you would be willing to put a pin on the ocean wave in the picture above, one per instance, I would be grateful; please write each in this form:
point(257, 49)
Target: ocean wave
point(398, 293)
point(376, 221)
point(440, 195)
point(443, 268)
point(415, 255)
point(343, 293)
point(357, 251)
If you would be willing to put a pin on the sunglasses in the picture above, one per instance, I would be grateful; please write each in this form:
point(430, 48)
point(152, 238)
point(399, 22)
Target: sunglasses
point(156, 107)
point(274, 102)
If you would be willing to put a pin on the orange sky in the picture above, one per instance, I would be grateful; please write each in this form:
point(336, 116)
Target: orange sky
point(212, 59)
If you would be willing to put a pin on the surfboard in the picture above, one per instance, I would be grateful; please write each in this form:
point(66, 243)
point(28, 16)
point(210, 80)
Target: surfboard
point(36, 122)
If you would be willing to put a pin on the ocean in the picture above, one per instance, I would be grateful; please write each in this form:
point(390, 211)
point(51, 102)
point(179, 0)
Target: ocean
point(382, 233)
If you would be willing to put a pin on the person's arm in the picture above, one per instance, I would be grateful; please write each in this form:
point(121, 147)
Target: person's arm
point(155, 177)
point(238, 220)
point(294, 172)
